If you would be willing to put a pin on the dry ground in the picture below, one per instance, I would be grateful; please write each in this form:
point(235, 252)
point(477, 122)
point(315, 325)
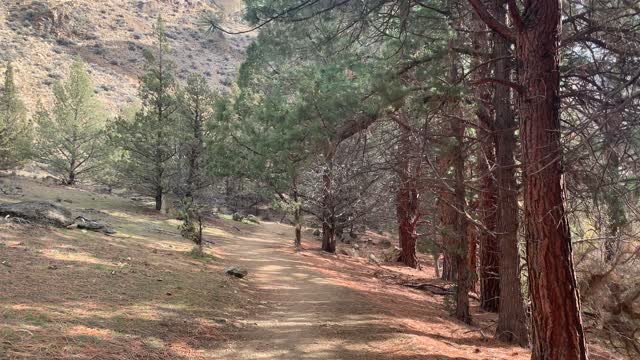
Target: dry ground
point(67, 294)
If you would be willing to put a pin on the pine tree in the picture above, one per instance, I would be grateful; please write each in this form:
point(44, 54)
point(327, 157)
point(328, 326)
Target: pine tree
point(70, 137)
point(149, 140)
point(14, 127)
point(196, 109)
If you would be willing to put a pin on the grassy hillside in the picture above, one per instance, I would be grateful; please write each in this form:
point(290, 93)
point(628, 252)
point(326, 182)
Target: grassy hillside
point(42, 37)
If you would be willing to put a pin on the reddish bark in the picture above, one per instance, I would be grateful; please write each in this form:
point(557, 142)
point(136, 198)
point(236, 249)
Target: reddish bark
point(556, 321)
point(407, 205)
point(328, 210)
point(489, 251)
point(511, 316)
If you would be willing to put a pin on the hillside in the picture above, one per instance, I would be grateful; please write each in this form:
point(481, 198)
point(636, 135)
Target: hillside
point(42, 37)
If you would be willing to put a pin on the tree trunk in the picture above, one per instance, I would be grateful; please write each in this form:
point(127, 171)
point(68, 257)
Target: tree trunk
point(159, 199)
point(72, 178)
point(297, 212)
point(328, 207)
point(489, 250)
point(556, 321)
point(472, 241)
point(407, 202)
point(460, 254)
point(511, 316)
point(448, 217)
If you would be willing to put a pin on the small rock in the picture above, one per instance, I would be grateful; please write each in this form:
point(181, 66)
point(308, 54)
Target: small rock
point(373, 259)
point(349, 252)
point(391, 254)
point(252, 218)
point(52, 267)
point(237, 217)
point(236, 271)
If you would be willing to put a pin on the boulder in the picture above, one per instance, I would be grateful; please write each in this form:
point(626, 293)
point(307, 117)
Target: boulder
point(40, 212)
point(373, 259)
point(349, 252)
point(316, 232)
point(252, 218)
point(92, 225)
point(236, 271)
point(237, 217)
point(391, 254)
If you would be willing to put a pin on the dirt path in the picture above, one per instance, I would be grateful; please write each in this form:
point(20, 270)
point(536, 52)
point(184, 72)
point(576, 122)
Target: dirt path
point(306, 312)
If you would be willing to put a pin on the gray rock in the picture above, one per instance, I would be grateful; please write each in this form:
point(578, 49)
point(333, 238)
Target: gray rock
point(237, 217)
point(349, 252)
point(236, 271)
point(92, 225)
point(373, 259)
point(40, 212)
point(316, 232)
point(252, 218)
point(391, 254)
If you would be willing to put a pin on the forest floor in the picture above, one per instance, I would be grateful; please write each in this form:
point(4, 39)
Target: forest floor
point(141, 294)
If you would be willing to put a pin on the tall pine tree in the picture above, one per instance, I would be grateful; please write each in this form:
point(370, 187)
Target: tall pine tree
point(149, 140)
point(14, 128)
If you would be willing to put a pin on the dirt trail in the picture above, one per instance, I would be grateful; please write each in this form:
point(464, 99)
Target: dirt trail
point(306, 312)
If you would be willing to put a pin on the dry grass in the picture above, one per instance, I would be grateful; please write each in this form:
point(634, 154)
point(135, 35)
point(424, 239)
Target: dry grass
point(136, 295)
point(110, 37)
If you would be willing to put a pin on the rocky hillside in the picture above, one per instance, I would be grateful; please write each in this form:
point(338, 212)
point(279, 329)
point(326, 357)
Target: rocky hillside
point(42, 37)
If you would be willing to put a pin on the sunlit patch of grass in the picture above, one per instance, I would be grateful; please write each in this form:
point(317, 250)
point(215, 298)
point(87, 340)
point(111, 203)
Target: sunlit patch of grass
point(195, 253)
point(84, 257)
point(225, 216)
point(87, 339)
point(37, 319)
point(104, 268)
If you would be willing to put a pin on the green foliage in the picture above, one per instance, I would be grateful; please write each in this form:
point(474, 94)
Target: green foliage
point(148, 141)
point(195, 113)
point(70, 137)
point(192, 222)
point(15, 130)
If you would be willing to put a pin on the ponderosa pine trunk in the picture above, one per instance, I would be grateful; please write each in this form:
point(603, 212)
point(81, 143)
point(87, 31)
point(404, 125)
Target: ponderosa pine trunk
point(460, 254)
point(407, 202)
point(158, 199)
point(460, 246)
point(511, 326)
point(447, 220)
point(328, 207)
point(557, 331)
point(472, 241)
point(489, 250)
point(297, 212)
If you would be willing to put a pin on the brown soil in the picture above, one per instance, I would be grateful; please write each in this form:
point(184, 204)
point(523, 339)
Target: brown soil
point(68, 294)
point(319, 306)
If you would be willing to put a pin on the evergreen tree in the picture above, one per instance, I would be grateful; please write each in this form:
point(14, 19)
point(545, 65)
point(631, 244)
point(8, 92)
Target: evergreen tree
point(196, 109)
point(149, 140)
point(70, 137)
point(14, 127)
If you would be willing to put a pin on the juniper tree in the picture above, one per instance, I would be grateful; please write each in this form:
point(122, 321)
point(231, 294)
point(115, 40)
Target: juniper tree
point(14, 127)
point(148, 141)
point(70, 137)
